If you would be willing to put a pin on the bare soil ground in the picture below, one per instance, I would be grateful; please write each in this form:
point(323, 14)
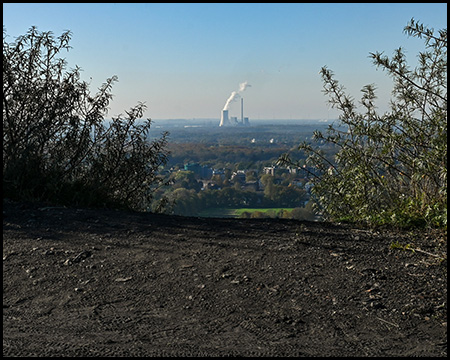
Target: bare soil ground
point(84, 282)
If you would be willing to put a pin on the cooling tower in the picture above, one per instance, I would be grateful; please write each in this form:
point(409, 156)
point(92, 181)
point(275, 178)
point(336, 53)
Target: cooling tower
point(224, 118)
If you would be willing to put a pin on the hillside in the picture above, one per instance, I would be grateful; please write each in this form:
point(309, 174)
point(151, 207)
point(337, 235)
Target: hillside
point(85, 282)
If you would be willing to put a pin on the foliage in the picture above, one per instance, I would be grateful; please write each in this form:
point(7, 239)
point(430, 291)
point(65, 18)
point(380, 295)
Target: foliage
point(56, 144)
point(191, 201)
point(245, 155)
point(390, 168)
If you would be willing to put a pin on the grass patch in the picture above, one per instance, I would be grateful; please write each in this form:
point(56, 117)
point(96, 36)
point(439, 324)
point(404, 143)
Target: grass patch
point(224, 212)
point(217, 212)
point(238, 212)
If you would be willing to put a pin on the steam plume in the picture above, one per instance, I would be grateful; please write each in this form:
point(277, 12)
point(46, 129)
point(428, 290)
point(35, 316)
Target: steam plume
point(243, 86)
point(236, 94)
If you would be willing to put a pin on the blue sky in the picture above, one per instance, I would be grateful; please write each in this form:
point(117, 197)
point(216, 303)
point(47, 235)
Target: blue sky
point(184, 60)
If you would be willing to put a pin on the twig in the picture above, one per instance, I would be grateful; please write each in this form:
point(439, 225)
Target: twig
point(387, 322)
point(425, 252)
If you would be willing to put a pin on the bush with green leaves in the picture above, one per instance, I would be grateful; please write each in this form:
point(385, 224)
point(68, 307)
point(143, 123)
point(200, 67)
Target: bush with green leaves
point(390, 168)
point(58, 146)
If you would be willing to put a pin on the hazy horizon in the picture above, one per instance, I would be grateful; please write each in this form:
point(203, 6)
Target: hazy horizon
point(185, 60)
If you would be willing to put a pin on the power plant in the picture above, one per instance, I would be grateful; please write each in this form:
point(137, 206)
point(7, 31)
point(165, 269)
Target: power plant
point(225, 120)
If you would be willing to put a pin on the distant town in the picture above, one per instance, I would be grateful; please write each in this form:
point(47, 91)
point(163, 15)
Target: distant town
point(222, 171)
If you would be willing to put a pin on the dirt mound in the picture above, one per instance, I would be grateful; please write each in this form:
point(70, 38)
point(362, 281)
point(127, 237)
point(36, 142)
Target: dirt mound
point(83, 282)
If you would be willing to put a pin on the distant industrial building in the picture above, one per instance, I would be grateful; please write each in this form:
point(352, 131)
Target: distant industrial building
point(225, 120)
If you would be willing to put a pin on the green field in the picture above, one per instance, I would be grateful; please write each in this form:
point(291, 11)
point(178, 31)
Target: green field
point(223, 212)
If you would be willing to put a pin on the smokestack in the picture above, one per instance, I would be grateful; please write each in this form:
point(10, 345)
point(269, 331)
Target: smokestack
point(242, 111)
point(234, 96)
point(224, 118)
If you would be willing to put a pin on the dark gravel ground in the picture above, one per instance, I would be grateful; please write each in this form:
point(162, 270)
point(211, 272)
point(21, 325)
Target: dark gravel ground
point(83, 282)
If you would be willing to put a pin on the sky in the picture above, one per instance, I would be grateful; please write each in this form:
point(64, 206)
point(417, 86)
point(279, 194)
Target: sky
point(184, 60)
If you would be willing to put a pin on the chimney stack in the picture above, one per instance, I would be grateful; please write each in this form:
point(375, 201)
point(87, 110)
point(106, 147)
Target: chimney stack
point(242, 110)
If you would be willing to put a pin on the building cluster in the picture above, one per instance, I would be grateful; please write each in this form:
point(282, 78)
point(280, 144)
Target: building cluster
point(207, 176)
point(225, 120)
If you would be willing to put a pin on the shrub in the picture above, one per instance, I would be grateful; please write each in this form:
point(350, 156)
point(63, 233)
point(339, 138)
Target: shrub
point(57, 146)
point(389, 168)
